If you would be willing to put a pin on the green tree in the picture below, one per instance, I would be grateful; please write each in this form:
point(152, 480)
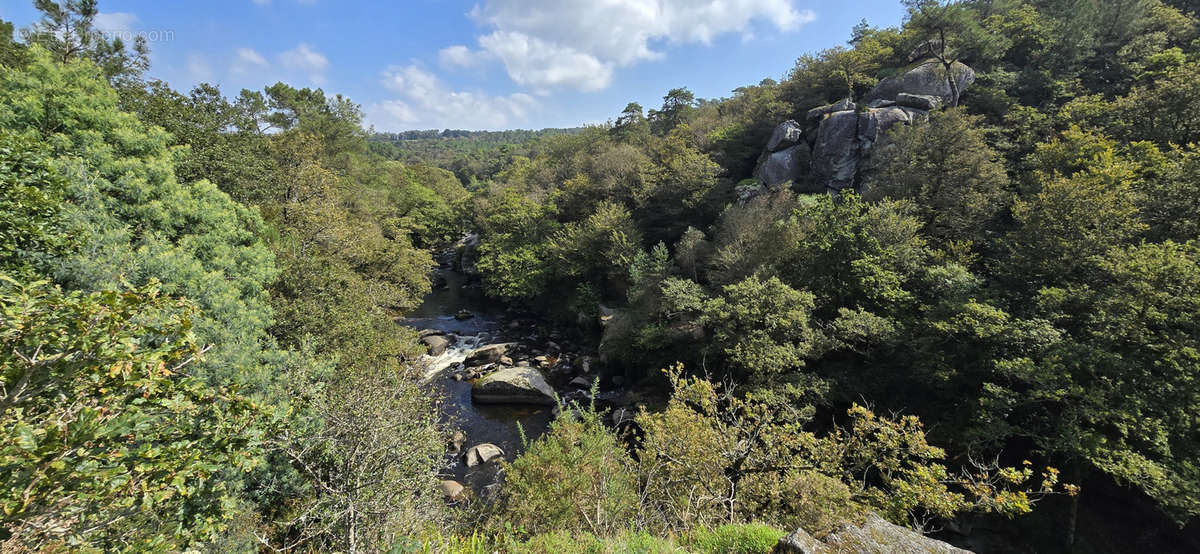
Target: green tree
point(106, 441)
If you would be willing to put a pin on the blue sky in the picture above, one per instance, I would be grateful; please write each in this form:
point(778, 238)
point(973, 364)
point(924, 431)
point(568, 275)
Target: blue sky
point(483, 64)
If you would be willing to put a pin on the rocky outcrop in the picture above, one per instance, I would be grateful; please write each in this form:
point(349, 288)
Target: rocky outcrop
point(925, 78)
point(466, 255)
point(786, 165)
point(514, 385)
point(786, 135)
point(875, 536)
point(840, 136)
point(845, 139)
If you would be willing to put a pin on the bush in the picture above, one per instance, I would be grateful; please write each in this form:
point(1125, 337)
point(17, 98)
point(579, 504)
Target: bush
point(736, 539)
point(575, 478)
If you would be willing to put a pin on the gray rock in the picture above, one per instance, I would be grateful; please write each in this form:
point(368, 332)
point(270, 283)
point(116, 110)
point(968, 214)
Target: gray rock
point(746, 193)
point(429, 333)
point(513, 385)
point(784, 166)
point(482, 454)
point(464, 315)
point(623, 415)
point(919, 101)
point(927, 78)
point(437, 344)
point(875, 536)
point(846, 105)
point(786, 135)
point(580, 382)
point(456, 442)
point(845, 139)
point(489, 354)
point(881, 103)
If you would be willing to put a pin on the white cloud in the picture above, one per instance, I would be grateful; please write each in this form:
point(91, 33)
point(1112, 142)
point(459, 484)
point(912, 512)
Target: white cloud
point(120, 23)
point(459, 55)
point(304, 59)
point(424, 102)
point(577, 43)
point(248, 61)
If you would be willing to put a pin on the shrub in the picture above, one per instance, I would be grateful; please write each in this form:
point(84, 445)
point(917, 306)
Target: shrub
point(736, 539)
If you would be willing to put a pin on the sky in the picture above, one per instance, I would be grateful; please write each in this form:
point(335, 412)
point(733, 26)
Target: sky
point(482, 64)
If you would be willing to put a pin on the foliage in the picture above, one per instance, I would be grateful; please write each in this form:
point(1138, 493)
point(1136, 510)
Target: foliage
point(108, 443)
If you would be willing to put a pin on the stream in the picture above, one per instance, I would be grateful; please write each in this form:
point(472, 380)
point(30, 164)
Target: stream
point(498, 424)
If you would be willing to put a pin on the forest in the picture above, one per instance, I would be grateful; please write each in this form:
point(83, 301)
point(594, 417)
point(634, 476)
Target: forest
point(985, 317)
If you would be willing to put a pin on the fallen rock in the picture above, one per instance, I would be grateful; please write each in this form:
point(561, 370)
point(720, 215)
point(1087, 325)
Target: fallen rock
point(786, 135)
point(453, 490)
point(489, 354)
point(875, 536)
point(437, 344)
point(513, 385)
point(482, 454)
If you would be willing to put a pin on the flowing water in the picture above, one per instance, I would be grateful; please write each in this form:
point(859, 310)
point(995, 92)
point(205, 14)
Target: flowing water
point(501, 425)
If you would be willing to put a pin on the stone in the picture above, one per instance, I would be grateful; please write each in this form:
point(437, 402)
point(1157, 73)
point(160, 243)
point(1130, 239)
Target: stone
point(784, 166)
point(845, 139)
point(482, 454)
point(489, 354)
point(919, 101)
point(456, 442)
point(875, 536)
point(622, 416)
point(815, 114)
point(514, 385)
point(437, 344)
point(464, 315)
point(746, 193)
point(881, 103)
point(926, 78)
point(429, 333)
point(505, 360)
point(786, 135)
point(437, 280)
point(581, 382)
point(453, 490)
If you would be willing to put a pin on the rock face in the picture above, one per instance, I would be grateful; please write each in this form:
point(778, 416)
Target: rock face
point(874, 536)
point(845, 139)
point(926, 78)
point(482, 454)
point(514, 385)
point(786, 135)
point(783, 166)
point(489, 354)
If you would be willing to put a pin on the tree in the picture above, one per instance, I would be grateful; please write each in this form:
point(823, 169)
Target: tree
point(761, 327)
point(106, 440)
point(66, 30)
point(949, 32)
point(947, 168)
point(677, 106)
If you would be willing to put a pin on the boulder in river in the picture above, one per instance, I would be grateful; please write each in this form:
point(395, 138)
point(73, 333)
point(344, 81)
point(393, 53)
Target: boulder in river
point(453, 490)
point(482, 454)
point(456, 442)
point(489, 354)
point(513, 385)
point(437, 344)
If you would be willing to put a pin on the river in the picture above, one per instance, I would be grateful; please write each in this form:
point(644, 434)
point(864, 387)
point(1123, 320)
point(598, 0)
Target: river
point(501, 425)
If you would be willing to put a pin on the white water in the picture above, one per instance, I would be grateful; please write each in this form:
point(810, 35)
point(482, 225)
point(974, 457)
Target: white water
point(453, 356)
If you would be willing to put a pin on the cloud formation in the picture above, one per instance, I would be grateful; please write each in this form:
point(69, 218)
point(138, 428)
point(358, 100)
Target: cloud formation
point(304, 59)
point(424, 102)
point(577, 44)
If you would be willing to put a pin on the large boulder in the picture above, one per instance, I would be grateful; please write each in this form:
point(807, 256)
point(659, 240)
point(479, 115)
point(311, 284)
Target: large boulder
point(875, 536)
point(489, 354)
point(926, 78)
point(786, 135)
point(514, 385)
point(466, 255)
point(437, 344)
point(453, 490)
point(919, 101)
point(845, 139)
point(786, 165)
point(815, 114)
